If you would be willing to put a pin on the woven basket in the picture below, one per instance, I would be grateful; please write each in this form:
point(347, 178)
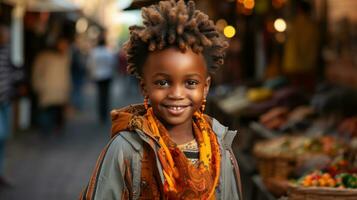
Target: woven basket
point(274, 162)
point(271, 165)
point(319, 193)
point(275, 166)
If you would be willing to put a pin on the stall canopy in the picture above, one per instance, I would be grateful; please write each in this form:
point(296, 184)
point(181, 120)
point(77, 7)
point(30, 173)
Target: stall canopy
point(20, 7)
point(44, 5)
point(137, 4)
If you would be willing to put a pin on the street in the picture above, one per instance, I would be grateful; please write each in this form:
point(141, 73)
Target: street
point(59, 166)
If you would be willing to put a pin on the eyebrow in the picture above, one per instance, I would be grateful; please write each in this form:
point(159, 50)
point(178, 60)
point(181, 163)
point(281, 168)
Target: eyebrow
point(195, 74)
point(167, 75)
point(161, 74)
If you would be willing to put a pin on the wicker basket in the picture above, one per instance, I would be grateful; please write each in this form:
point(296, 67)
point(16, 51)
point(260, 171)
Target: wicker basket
point(275, 166)
point(272, 165)
point(274, 162)
point(319, 193)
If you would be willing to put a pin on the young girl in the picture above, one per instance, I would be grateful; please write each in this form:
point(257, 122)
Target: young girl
point(167, 148)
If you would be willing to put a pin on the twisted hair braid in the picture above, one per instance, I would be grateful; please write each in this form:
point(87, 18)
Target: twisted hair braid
point(174, 24)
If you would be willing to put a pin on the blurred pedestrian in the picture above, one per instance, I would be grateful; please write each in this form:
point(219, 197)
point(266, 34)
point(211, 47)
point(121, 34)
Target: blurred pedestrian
point(78, 73)
point(301, 48)
point(52, 83)
point(101, 66)
point(130, 82)
point(9, 75)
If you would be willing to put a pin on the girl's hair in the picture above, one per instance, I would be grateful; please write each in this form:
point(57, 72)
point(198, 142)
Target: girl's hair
point(174, 24)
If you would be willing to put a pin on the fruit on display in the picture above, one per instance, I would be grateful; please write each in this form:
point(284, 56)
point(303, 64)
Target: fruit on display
point(338, 166)
point(300, 145)
point(318, 179)
point(324, 144)
point(347, 180)
point(289, 145)
point(325, 179)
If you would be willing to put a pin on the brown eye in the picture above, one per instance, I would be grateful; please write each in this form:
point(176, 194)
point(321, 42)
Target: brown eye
point(191, 83)
point(162, 83)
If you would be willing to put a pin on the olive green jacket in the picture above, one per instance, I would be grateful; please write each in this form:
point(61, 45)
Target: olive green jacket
point(124, 153)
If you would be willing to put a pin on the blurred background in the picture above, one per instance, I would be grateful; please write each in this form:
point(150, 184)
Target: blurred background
point(290, 73)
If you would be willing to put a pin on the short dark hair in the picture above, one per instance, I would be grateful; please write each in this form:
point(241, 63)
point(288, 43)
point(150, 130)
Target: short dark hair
point(174, 24)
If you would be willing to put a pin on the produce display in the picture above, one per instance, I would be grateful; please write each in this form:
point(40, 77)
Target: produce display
point(325, 144)
point(315, 142)
point(299, 145)
point(274, 118)
point(339, 167)
point(325, 179)
point(280, 117)
point(340, 173)
point(348, 127)
point(323, 185)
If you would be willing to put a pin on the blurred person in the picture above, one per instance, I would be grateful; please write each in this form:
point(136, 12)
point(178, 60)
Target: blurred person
point(130, 82)
point(52, 84)
point(78, 73)
point(301, 48)
point(34, 43)
point(101, 66)
point(9, 75)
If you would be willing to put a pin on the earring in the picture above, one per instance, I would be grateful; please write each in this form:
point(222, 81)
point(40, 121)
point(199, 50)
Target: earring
point(146, 102)
point(203, 106)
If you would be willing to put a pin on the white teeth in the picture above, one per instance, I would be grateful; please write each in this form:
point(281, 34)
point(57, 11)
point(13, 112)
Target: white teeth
point(176, 107)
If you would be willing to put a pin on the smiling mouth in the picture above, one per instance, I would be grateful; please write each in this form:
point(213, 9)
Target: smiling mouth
point(176, 109)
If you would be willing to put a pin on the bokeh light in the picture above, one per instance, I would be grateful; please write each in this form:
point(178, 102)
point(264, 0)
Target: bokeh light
point(229, 31)
point(249, 4)
point(81, 25)
point(280, 25)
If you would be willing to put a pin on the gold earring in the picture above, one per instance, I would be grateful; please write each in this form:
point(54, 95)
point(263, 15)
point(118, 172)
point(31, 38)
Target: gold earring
point(203, 106)
point(146, 102)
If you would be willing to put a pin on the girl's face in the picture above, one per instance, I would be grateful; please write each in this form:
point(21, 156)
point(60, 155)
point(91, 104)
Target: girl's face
point(176, 83)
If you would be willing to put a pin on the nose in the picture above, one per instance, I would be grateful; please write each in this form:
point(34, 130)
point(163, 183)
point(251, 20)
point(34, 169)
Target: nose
point(176, 92)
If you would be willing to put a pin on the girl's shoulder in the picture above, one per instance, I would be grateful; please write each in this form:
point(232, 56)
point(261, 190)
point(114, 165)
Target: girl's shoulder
point(127, 142)
point(223, 133)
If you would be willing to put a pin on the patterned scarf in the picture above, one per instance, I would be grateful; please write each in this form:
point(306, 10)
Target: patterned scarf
point(183, 180)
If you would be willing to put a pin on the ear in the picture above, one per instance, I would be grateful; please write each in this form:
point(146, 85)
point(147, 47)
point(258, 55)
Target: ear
point(143, 87)
point(207, 85)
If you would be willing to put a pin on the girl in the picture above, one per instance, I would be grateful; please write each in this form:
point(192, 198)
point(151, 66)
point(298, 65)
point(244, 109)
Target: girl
point(169, 149)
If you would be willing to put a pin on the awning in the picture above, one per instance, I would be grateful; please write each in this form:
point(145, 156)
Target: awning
point(45, 5)
point(137, 4)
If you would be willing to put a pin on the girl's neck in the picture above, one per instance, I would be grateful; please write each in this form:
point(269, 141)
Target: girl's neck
point(182, 133)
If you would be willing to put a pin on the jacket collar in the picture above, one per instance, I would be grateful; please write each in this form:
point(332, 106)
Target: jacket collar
point(131, 118)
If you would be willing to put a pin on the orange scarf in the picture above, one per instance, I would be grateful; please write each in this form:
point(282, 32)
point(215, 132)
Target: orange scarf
point(182, 179)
